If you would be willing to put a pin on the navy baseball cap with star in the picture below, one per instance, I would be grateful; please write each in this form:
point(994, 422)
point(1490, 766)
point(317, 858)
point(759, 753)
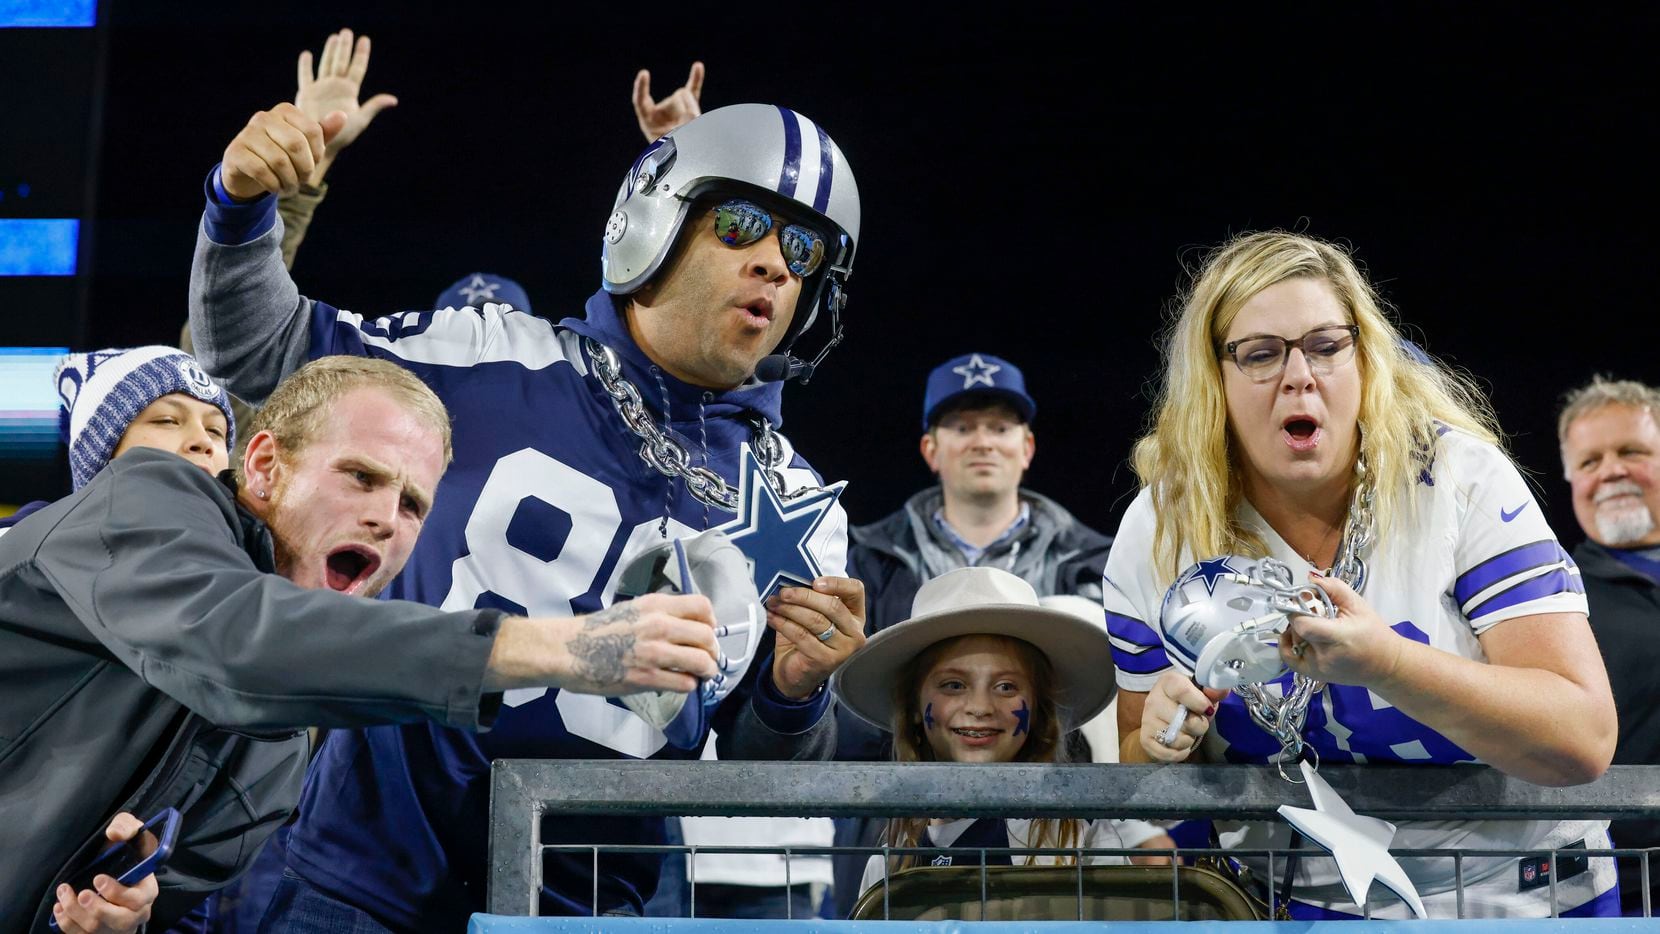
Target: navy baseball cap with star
point(476, 288)
point(977, 374)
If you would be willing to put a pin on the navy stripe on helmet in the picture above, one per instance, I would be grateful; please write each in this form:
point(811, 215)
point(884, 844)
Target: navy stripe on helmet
point(791, 172)
point(826, 170)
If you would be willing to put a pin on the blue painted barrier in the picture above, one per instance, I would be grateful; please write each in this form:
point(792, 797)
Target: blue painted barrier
point(501, 924)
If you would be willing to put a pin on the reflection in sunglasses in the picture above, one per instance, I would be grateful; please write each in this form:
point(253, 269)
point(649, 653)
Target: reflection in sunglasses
point(738, 223)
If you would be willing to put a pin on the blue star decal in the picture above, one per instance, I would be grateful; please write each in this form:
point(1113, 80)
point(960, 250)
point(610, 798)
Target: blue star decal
point(976, 371)
point(1023, 718)
point(773, 534)
point(1210, 569)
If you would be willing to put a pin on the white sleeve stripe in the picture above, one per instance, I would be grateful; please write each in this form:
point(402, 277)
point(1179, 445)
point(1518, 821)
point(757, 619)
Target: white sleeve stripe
point(1130, 648)
point(460, 337)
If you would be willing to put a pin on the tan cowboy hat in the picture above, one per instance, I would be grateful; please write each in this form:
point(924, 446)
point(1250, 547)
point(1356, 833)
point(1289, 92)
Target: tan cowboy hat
point(981, 601)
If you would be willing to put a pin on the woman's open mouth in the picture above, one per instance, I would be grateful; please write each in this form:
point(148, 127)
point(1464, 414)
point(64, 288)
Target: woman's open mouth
point(1301, 433)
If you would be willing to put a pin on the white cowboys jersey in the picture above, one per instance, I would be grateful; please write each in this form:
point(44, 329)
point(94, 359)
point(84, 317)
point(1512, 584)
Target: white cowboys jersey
point(1473, 551)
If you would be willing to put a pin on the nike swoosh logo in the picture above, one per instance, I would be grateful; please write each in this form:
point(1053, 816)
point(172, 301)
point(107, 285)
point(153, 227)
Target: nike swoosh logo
point(1508, 514)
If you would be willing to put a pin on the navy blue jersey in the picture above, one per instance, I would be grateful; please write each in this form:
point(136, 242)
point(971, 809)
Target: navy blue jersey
point(546, 502)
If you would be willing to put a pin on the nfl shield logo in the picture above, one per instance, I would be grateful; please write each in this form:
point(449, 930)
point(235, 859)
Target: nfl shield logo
point(1530, 871)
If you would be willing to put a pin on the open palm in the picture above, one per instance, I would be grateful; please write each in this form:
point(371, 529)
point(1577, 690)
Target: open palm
point(335, 85)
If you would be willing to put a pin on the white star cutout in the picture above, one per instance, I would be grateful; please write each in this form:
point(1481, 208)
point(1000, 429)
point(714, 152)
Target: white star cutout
point(1360, 844)
point(478, 289)
point(976, 371)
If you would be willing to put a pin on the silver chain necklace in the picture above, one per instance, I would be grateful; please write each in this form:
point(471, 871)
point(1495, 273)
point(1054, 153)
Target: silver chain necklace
point(1284, 717)
point(668, 456)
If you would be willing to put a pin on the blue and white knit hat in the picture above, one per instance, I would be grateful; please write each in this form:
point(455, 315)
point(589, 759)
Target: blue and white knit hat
point(101, 392)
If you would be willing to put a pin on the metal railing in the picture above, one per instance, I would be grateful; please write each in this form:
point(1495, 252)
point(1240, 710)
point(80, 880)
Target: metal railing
point(522, 791)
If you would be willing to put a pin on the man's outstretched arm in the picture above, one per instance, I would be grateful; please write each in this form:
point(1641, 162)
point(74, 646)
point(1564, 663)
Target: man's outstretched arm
point(147, 565)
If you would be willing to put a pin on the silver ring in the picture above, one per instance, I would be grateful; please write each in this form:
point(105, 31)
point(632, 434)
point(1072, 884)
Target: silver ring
point(825, 635)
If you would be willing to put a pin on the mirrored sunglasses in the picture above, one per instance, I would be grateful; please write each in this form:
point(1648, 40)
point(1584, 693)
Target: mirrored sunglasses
point(738, 223)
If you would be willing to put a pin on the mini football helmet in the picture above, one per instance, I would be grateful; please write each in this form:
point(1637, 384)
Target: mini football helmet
point(1222, 618)
point(709, 564)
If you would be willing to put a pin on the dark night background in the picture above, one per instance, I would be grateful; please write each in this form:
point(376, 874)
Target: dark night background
point(1032, 180)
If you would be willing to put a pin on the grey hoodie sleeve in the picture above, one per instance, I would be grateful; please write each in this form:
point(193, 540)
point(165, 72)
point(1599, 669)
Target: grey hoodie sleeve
point(149, 562)
point(248, 320)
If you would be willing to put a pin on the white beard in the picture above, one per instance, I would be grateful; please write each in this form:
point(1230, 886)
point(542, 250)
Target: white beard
point(1618, 527)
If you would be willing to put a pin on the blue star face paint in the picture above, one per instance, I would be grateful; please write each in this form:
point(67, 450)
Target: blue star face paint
point(928, 717)
point(1023, 718)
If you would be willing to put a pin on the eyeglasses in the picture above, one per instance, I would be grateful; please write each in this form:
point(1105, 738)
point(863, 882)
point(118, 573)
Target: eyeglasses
point(1263, 358)
point(739, 223)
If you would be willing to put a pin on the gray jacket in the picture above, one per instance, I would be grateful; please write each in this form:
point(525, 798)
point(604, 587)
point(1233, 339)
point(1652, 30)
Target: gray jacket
point(1054, 552)
point(147, 660)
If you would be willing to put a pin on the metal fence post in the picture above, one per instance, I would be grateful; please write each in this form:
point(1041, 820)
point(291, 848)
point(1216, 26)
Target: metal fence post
point(516, 808)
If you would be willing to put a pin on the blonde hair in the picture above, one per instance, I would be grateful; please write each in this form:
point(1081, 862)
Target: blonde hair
point(1045, 742)
point(1187, 457)
point(301, 404)
point(1602, 391)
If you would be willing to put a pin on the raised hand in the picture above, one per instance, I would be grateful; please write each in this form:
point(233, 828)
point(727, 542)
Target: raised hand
point(681, 107)
point(276, 151)
point(335, 85)
point(817, 630)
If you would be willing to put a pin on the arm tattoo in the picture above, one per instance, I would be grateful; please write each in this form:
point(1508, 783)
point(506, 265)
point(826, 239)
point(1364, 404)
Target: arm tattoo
point(624, 613)
point(600, 659)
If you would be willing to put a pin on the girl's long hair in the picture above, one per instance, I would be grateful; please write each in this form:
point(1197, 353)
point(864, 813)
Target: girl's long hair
point(1044, 743)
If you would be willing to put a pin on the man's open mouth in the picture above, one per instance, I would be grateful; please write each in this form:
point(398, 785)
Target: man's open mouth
point(349, 567)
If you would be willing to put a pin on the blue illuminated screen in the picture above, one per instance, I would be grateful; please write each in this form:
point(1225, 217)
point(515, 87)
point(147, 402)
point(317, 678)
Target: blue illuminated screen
point(29, 402)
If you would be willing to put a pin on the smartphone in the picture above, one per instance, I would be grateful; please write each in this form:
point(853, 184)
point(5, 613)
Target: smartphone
point(130, 861)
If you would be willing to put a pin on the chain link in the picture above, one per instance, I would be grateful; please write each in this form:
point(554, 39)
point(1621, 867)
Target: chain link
point(669, 457)
point(1357, 531)
point(1284, 717)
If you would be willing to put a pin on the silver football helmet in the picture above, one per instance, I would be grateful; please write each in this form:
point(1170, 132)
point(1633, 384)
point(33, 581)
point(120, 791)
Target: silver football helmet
point(774, 155)
point(1222, 618)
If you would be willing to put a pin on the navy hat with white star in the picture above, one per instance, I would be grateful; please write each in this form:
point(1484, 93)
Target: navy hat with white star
point(980, 374)
point(476, 288)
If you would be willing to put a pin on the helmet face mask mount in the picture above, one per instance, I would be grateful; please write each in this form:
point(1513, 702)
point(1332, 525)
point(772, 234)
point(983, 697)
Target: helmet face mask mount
point(770, 155)
point(1222, 619)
